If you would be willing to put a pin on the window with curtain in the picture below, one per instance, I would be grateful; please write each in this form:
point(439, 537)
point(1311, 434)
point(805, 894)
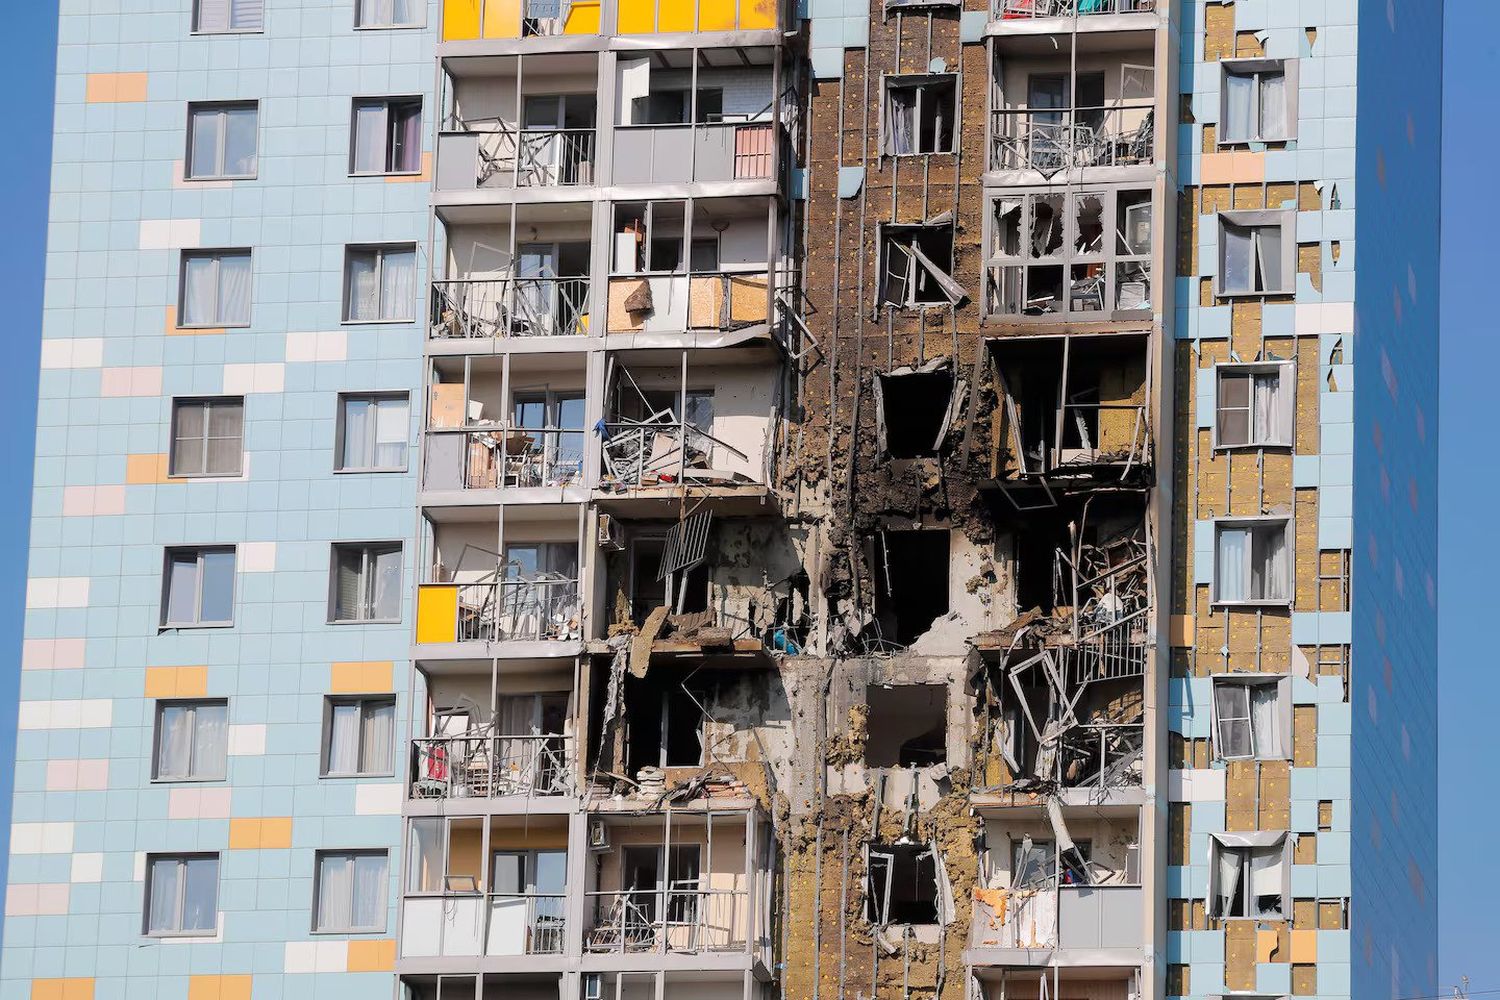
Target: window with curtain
point(199, 587)
point(191, 740)
point(207, 436)
point(1248, 720)
point(350, 892)
point(219, 16)
point(359, 736)
point(222, 141)
point(386, 136)
point(1255, 105)
point(215, 289)
point(1253, 257)
point(380, 284)
point(182, 894)
point(1247, 881)
point(372, 432)
point(1254, 405)
point(367, 582)
point(1252, 562)
point(919, 114)
point(388, 13)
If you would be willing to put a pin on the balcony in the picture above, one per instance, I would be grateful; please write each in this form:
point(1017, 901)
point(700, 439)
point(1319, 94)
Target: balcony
point(1031, 10)
point(483, 767)
point(1079, 916)
point(647, 17)
point(666, 921)
point(449, 925)
point(504, 458)
point(479, 308)
point(671, 154)
point(467, 20)
point(543, 609)
point(1050, 140)
point(492, 154)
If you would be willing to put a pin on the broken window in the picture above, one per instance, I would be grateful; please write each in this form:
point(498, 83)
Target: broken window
point(1258, 101)
point(1249, 876)
point(1036, 862)
point(915, 409)
point(665, 723)
point(1257, 253)
point(907, 725)
point(916, 264)
point(1054, 253)
point(648, 587)
point(1251, 718)
point(1252, 561)
point(901, 885)
point(911, 582)
point(1254, 405)
point(919, 114)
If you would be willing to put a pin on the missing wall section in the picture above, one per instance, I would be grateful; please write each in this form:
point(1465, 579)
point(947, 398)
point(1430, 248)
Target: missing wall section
point(915, 409)
point(911, 582)
point(907, 724)
point(901, 886)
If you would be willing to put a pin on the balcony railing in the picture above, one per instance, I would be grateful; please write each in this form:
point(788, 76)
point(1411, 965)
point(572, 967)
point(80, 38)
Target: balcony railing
point(1015, 10)
point(1051, 287)
point(645, 17)
point(505, 458)
point(1050, 140)
point(1071, 916)
point(476, 308)
point(481, 767)
point(480, 153)
point(675, 303)
point(491, 924)
point(535, 610)
point(667, 920)
point(464, 20)
point(715, 151)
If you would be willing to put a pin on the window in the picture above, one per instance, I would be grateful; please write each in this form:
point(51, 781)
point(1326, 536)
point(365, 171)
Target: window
point(388, 13)
point(367, 582)
point(222, 141)
point(191, 740)
point(358, 736)
point(1051, 252)
point(380, 284)
point(1035, 862)
point(424, 855)
point(911, 582)
point(1251, 718)
point(199, 587)
point(350, 893)
point(211, 17)
point(915, 409)
point(915, 262)
point(1257, 253)
point(387, 136)
point(666, 723)
point(1252, 562)
point(372, 433)
point(908, 725)
point(919, 114)
point(1254, 405)
point(182, 894)
point(902, 885)
point(1258, 101)
point(215, 289)
point(208, 436)
point(1249, 876)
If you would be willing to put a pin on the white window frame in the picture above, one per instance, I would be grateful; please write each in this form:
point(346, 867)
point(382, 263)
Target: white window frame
point(886, 243)
point(1286, 372)
point(1281, 844)
point(166, 587)
point(190, 171)
point(181, 903)
point(198, 28)
point(365, 702)
point(1246, 681)
point(192, 704)
point(367, 580)
point(340, 452)
point(922, 84)
point(380, 251)
point(217, 257)
point(207, 403)
point(349, 855)
point(420, 22)
point(385, 130)
point(1255, 221)
point(1252, 524)
point(1256, 69)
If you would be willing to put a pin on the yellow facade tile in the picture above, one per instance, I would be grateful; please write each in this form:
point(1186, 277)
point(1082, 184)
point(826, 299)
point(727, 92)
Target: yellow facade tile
point(260, 833)
point(219, 987)
point(115, 88)
point(361, 677)
point(1180, 630)
point(275, 832)
point(63, 989)
point(1304, 947)
point(372, 956)
point(141, 469)
point(176, 682)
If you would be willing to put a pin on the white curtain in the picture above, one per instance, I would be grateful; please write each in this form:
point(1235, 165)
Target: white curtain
point(375, 745)
point(358, 449)
point(246, 15)
point(1273, 106)
point(239, 142)
point(203, 157)
point(363, 293)
point(225, 436)
point(1265, 881)
point(334, 891)
point(1270, 409)
point(166, 875)
point(390, 433)
point(375, 13)
point(1268, 568)
point(901, 110)
point(1265, 713)
point(1238, 259)
point(182, 589)
point(369, 890)
point(174, 751)
point(1238, 107)
point(343, 739)
point(398, 284)
point(1229, 574)
point(1231, 860)
point(234, 290)
point(369, 138)
point(199, 307)
point(213, 15)
point(386, 594)
point(1268, 252)
point(211, 730)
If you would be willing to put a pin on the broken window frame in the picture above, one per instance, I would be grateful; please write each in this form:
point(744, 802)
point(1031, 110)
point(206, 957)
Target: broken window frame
point(1258, 71)
point(916, 266)
point(1254, 528)
point(957, 392)
point(1257, 434)
point(1256, 224)
point(1047, 868)
point(926, 90)
point(1261, 850)
point(1117, 256)
point(1280, 715)
point(877, 909)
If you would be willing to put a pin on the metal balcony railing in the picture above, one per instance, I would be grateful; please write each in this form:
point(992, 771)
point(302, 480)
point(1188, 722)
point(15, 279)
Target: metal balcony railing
point(490, 924)
point(708, 151)
point(517, 610)
point(505, 458)
point(1014, 10)
point(480, 767)
point(470, 308)
point(667, 920)
point(1052, 286)
point(1069, 916)
point(1051, 140)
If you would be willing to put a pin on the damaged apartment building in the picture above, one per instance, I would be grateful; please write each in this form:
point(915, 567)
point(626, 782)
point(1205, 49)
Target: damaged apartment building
point(789, 500)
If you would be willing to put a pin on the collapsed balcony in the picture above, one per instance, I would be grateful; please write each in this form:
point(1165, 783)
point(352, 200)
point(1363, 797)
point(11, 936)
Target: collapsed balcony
point(488, 886)
point(700, 265)
point(511, 423)
point(487, 738)
point(513, 126)
point(482, 588)
point(514, 271)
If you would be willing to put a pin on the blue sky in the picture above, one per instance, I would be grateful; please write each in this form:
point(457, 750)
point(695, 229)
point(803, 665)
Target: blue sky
point(1470, 682)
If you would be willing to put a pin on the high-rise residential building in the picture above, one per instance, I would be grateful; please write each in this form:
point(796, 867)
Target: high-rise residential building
point(707, 499)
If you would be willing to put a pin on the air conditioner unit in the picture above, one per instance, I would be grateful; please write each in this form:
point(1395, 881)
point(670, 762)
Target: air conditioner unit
point(598, 835)
point(609, 534)
point(593, 986)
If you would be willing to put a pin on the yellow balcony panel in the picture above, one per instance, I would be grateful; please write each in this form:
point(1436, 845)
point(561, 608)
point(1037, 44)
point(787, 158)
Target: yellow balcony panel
point(437, 613)
point(756, 15)
point(502, 18)
point(718, 15)
point(583, 18)
point(460, 20)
